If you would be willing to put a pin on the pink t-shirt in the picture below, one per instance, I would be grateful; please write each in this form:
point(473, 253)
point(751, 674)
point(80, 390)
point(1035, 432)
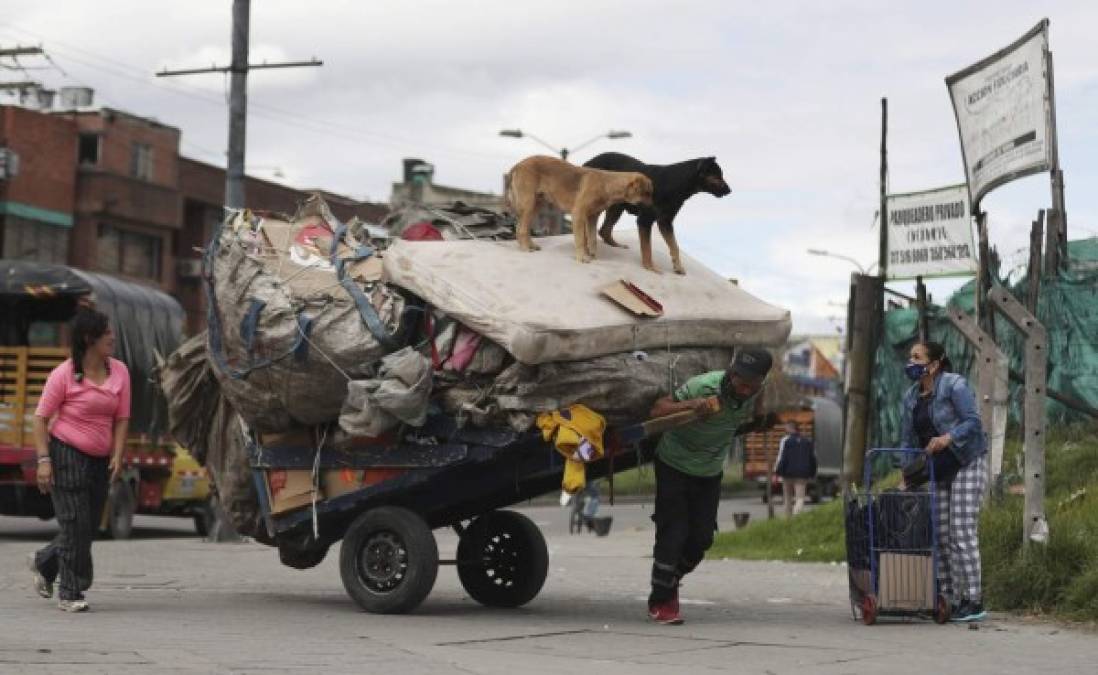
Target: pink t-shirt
point(86, 411)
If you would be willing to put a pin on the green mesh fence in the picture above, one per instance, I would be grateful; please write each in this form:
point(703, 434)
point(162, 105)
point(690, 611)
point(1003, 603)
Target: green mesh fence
point(1068, 308)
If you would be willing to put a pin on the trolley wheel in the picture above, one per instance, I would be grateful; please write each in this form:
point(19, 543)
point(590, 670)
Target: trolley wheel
point(389, 560)
point(942, 610)
point(502, 559)
point(869, 610)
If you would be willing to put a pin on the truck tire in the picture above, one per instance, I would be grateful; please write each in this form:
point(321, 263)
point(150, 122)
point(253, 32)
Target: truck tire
point(205, 518)
point(502, 559)
point(122, 503)
point(389, 560)
point(301, 558)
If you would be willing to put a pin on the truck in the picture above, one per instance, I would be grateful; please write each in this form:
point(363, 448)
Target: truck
point(819, 419)
point(36, 301)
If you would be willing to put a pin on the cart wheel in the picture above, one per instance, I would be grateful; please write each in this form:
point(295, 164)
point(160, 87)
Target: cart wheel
point(122, 505)
point(869, 610)
point(942, 610)
point(389, 560)
point(301, 558)
point(502, 559)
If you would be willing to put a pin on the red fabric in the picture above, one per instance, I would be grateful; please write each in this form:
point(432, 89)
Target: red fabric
point(423, 231)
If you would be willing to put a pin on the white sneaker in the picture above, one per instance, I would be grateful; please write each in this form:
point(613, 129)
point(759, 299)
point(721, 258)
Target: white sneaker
point(72, 605)
point(41, 586)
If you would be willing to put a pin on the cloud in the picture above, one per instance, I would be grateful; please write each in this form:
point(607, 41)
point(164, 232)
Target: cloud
point(786, 95)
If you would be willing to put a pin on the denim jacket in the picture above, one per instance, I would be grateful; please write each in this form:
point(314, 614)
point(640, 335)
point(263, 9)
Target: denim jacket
point(953, 411)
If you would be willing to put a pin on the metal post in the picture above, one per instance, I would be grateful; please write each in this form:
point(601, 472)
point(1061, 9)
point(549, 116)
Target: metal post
point(920, 304)
point(1033, 275)
point(1035, 525)
point(984, 313)
point(882, 261)
point(238, 107)
point(1058, 217)
point(867, 310)
point(992, 371)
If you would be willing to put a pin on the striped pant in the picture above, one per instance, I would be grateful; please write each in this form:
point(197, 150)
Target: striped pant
point(80, 484)
point(958, 542)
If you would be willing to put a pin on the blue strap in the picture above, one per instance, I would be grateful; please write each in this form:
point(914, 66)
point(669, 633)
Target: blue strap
point(365, 307)
point(248, 326)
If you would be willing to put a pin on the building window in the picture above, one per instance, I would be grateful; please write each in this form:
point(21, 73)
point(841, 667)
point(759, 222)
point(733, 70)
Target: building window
point(88, 149)
point(130, 253)
point(33, 240)
point(141, 161)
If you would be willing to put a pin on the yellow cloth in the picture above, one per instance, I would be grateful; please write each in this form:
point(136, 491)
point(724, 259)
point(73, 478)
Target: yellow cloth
point(567, 430)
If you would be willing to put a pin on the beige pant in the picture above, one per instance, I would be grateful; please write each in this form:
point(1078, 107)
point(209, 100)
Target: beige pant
point(793, 489)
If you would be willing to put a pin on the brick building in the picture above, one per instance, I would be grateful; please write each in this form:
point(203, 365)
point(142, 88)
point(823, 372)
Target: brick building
point(107, 191)
point(37, 205)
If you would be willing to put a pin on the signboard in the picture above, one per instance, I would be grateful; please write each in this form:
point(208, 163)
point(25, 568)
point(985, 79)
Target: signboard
point(1002, 110)
point(930, 234)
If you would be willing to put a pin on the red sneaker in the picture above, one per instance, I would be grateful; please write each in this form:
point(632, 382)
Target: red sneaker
point(666, 613)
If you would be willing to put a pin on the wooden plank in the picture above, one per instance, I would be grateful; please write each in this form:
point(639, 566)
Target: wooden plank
point(20, 397)
point(400, 456)
point(1035, 524)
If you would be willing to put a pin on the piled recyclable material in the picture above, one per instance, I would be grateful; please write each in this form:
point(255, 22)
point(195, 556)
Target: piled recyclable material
point(318, 324)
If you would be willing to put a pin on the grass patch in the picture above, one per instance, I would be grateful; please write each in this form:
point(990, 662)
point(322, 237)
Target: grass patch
point(642, 481)
point(1059, 579)
point(815, 535)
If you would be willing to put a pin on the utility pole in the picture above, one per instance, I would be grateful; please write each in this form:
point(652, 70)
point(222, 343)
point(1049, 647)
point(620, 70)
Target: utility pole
point(882, 262)
point(22, 86)
point(238, 99)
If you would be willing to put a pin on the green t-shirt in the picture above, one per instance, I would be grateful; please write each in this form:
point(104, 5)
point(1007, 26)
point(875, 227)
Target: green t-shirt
point(700, 448)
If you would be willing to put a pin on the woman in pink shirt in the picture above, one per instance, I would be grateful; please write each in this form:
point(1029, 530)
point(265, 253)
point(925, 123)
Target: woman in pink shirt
point(79, 453)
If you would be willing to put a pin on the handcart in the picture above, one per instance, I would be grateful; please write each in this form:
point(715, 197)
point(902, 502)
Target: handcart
point(892, 544)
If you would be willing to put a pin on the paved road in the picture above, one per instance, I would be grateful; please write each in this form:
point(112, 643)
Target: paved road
point(166, 602)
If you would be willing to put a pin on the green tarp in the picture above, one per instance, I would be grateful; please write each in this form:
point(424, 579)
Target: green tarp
point(1068, 308)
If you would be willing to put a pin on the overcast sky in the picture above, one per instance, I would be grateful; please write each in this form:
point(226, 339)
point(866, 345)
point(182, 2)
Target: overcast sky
point(785, 94)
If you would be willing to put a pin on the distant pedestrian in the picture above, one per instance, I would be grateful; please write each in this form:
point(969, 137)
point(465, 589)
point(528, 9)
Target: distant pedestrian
point(796, 466)
point(80, 431)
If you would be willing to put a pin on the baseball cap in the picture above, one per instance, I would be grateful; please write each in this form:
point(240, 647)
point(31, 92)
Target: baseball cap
point(751, 362)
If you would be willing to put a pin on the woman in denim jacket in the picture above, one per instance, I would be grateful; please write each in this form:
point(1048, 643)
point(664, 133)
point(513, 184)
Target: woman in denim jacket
point(939, 415)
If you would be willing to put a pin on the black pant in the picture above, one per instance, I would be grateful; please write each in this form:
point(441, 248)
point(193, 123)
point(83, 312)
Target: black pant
point(685, 517)
point(80, 484)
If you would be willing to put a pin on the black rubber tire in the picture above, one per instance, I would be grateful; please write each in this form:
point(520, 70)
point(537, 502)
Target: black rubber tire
point(301, 558)
point(122, 504)
point(389, 560)
point(204, 518)
point(502, 559)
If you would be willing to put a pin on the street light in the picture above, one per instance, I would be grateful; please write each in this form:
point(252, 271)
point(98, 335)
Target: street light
point(564, 152)
point(829, 254)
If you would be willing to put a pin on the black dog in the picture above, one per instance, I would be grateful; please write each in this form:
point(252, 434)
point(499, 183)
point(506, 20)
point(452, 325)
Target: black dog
point(673, 184)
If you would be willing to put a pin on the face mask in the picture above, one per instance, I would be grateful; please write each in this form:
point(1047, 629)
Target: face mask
point(915, 371)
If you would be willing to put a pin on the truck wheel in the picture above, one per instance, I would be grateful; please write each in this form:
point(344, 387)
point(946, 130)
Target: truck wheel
point(389, 560)
point(204, 518)
point(122, 504)
point(301, 558)
point(502, 559)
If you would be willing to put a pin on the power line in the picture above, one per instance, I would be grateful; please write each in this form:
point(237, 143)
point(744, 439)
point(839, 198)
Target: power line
point(263, 110)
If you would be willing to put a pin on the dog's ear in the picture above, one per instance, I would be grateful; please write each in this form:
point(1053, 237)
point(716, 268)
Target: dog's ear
point(707, 165)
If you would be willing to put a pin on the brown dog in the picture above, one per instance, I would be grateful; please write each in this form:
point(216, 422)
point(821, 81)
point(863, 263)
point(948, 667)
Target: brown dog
point(585, 193)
